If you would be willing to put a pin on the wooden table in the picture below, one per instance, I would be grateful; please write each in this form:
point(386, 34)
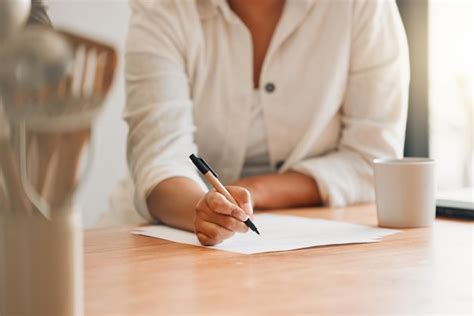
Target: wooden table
point(425, 270)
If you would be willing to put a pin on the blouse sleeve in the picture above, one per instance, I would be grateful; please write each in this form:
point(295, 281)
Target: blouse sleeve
point(159, 107)
point(375, 107)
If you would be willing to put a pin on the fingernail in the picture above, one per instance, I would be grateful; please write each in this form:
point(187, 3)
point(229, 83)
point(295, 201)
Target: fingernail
point(240, 215)
point(247, 207)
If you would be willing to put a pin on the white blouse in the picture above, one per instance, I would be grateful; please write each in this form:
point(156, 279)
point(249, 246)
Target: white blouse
point(257, 158)
point(334, 88)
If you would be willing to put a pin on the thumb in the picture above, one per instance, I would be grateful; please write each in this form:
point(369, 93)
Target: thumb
point(243, 198)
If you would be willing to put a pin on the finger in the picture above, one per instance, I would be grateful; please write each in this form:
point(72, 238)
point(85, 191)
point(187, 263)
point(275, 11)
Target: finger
point(211, 234)
point(247, 208)
point(243, 198)
point(205, 213)
point(219, 204)
point(225, 221)
point(204, 240)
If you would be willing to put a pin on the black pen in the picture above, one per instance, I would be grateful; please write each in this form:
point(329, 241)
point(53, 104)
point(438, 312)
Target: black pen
point(213, 180)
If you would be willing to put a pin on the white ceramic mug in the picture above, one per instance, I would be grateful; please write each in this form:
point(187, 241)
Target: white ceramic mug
point(405, 192)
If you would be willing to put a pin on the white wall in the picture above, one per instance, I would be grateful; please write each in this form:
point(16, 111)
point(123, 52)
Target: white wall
point(104, 20)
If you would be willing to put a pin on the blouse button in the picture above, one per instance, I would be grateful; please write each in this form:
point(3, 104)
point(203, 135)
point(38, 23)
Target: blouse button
point(270, 87)
point(279, 164)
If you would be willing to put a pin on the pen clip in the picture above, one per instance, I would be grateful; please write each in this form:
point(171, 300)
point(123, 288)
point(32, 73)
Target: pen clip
point(208, 167)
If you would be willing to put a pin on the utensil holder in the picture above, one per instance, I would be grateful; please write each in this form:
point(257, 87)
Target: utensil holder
point(41, 264)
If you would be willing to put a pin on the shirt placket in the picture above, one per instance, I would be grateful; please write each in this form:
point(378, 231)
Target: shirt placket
point(239, 101)
point(272, 76)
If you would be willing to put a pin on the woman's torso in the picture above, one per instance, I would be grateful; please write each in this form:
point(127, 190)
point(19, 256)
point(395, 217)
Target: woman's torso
point(302, 81)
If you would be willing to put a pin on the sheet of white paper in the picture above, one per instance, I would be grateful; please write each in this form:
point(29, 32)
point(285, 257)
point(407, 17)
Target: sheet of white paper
point(280, 233)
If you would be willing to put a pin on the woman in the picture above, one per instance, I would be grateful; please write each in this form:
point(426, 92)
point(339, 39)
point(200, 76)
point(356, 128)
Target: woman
point(288, 100)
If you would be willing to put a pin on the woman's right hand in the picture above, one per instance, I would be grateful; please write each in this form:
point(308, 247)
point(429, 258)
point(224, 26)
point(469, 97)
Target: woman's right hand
point(217, 219)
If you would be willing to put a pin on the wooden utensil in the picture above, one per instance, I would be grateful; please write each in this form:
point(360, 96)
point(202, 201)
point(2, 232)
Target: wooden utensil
point(56, 110)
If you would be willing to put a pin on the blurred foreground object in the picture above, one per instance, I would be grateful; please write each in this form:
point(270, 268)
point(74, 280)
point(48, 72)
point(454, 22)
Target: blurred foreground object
point(52, 87)
point(13, 15)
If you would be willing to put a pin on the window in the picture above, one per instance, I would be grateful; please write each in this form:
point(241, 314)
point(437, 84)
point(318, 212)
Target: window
point(450, 92)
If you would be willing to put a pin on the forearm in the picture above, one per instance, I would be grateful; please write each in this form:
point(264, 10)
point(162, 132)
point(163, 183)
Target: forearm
point(289, 189)
point(173, 202)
